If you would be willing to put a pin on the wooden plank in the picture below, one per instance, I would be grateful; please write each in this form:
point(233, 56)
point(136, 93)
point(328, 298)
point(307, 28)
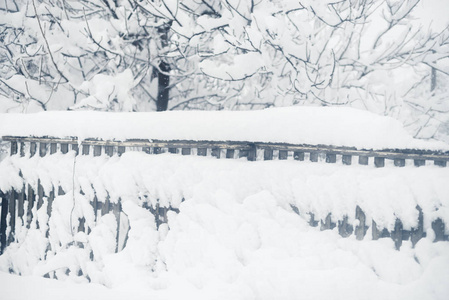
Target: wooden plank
point(13, 148)
point(312, 221)
point(377, 233)
point(202, 152)
point(440, 163)
point(42, 149)
point(60, 191)
point(75, 148)
point(399, 162)
point(12, 216)
point(97, 150)
point(298, 155)
point(346, 159)
point(252, 152)
point(344, 228)
point(438, 228)
point(216, 152)
point(419, 162)
point(121, 150)
point(379, 162)
point(109, 150)
point(327, 224)
point(230, 153)
point(64, 148)
point(81, 224)
point(86, 149)
point(396, 234)
point(33, 147)
point(31, 197)
point(267, 154)
point(283, 154)
point(185, 151)
point(22, 149)
point(417, 233)
point(40, 194)
point(331, 158)
point(53, 147)
point(95, 207)
point(20, 206)
point(106, 206)
point(361, 228)
point(3, 219)
point(363, 160)
point(116, 209)
point(50, 200)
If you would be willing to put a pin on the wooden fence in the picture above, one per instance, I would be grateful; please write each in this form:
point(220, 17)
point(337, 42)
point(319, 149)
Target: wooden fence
point(19, 204)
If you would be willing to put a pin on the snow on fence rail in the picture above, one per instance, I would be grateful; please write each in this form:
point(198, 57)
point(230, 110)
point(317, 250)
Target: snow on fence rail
point(19, 204)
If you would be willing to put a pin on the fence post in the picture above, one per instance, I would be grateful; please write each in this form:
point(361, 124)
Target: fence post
point(363, 160)
point(314, 156)
point(419, 162)
point(417, 233)
point(327, 224)
point(298, 155)
point(283, 154)
point(396, 234)
point(345, 229)
point(360, 230)
point(31, 198)
point(267, 154)
point(379, 162)
point(216, 152)
point(399, 162)
point(440, 163)
point(346, 159)
point(42, 149)
point(331, 158)
point(3, 225)
point(184, 151)
point(230, 153)
point(53, 147)
point(86, 149)
point(13, 147)
point(12, 216)
point(33, 147)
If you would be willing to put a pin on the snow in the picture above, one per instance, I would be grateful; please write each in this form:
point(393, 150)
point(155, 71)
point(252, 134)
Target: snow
point(235, 237)
point(338, 126)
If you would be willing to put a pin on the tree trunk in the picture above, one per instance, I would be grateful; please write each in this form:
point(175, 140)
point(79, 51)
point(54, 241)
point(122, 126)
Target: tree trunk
point(163, 89)
point(162, 73)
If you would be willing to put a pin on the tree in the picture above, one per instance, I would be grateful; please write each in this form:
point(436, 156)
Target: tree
point(224, 54)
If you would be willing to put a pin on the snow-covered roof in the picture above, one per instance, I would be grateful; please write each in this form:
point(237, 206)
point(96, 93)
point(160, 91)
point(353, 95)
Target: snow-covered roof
point(338, 126)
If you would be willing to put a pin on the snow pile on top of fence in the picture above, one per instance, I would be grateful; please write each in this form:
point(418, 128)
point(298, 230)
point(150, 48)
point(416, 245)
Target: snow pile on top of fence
point(339, 126)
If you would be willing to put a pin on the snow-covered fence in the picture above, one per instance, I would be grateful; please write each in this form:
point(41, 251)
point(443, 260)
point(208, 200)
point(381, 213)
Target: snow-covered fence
point(232, 149)
point(19, 204)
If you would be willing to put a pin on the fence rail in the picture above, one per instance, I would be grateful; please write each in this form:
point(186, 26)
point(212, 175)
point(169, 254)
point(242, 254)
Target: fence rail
point(245, 149)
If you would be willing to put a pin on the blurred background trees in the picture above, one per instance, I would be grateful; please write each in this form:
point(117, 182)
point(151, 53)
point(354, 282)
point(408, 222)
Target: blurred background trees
point(117, 55)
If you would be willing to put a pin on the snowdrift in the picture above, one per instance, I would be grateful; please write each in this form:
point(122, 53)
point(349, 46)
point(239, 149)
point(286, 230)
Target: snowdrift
point(233, 231)
point(338, 126)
